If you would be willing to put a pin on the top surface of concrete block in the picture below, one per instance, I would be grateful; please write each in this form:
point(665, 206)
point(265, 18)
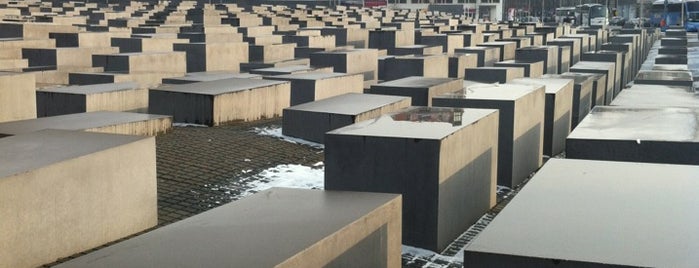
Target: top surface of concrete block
point(553, 85)
point(416, 82)
point(262, 230)
point(593, 65)
point(79, 121)
point(348, 104)
point(433, 123)
point(311, 76)
point(218, 87)
point(91, 89)
point(492, 91)
point(570, 224)
point(211, 76)
point(639, 124)
point(34, 150)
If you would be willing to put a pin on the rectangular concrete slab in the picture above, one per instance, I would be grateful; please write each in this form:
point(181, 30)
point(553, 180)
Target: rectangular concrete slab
point(669, 78)
point(220, 101)
point(443, 161)
point(278, 227)
point(71, 191)
point(118, 97)
point(312, 86)
point(567, 227)
point(651, 135)
point(103, 121)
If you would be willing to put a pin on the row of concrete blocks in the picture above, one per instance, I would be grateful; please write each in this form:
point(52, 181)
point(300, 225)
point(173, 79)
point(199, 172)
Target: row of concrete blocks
point(641, 146)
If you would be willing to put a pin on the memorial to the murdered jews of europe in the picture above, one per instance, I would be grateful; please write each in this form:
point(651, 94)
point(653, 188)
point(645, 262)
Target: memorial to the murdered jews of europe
point(274, 133)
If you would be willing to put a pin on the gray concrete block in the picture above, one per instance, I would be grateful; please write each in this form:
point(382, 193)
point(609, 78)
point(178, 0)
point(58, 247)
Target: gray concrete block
point(487, 56)
point(582, 95)
point(547, 54)
point(102, 121)
point(75, 191)
point(558, 113)
point(613, 57)
point(220, 101)
point(598, 67)
point(118, 97)
point(313, 86)
point(310, 121)
point(532, 69)
point(355, 61)
point(445, 187)
point(420, 89)
point(415, 65)
point(521, 124)
point(506, 49)
point(207, 76)
point(458, 63)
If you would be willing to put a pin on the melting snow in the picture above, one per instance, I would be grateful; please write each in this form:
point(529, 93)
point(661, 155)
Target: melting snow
point(276, 131)
point(292, 176)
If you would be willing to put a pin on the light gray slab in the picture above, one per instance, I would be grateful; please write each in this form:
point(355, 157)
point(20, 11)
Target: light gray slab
point(599, 212)
point(642, 124)
point(262, 230)
point(79, 121)
point(348, 104)
point(34, 150)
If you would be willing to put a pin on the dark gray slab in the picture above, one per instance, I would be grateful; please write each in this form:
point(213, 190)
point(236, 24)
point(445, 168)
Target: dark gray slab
point(494, 74)
point(79, 121)
point(671, 59)
point(651, 135)
point(91, 89)
point(569, 227)
point(262, 230)
point(39, 149)
point(285, 70)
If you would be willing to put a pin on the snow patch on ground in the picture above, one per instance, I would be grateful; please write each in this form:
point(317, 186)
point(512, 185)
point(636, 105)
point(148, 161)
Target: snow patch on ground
point(276, 132)
point(286, 175)
point(414, 253)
